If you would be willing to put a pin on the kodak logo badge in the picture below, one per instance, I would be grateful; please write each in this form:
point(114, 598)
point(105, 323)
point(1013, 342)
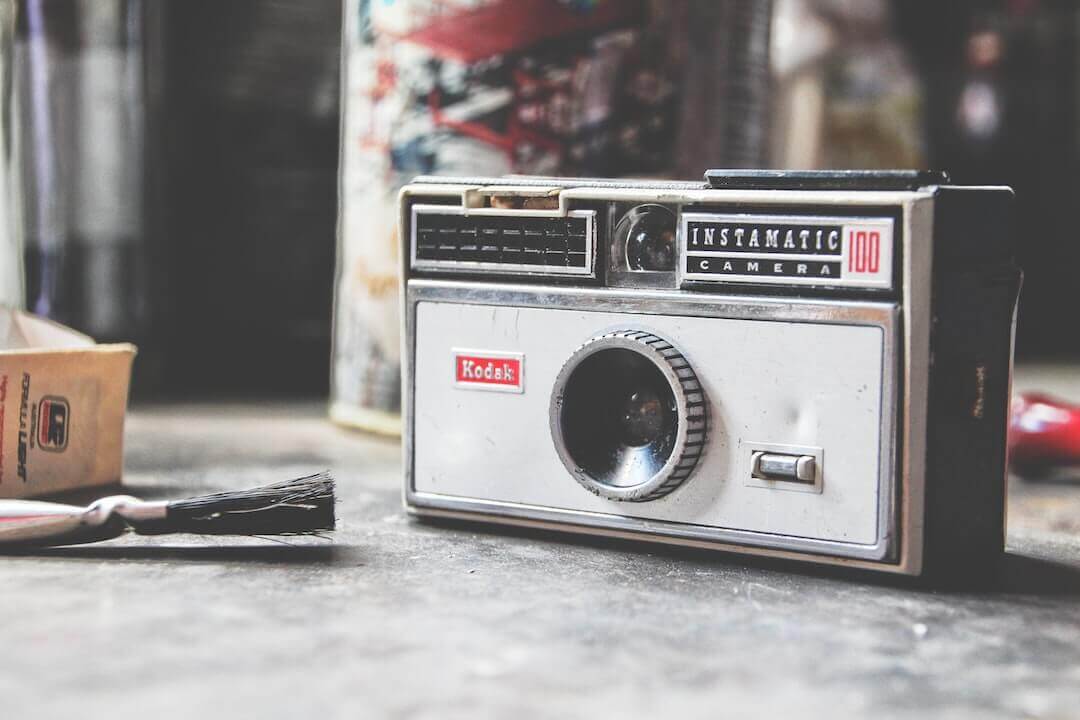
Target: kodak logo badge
point(489, 370)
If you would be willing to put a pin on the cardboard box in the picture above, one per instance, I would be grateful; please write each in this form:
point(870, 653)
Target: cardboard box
point(62, 404)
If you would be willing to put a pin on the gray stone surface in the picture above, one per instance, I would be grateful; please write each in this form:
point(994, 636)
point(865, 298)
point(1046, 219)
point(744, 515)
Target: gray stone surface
point(406, 620)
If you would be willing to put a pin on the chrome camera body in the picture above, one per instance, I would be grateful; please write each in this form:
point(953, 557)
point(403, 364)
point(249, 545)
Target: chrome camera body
point(814, 365)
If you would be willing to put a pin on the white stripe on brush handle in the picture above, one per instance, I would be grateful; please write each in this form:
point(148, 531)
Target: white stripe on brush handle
point(45, 523)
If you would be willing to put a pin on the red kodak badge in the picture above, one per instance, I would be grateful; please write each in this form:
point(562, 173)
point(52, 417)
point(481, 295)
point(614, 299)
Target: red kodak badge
point(489, 370)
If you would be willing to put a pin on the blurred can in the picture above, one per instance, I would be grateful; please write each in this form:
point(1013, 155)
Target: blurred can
point(491, 87)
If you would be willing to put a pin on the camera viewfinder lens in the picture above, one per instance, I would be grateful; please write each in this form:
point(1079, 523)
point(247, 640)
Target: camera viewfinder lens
point(649, 232)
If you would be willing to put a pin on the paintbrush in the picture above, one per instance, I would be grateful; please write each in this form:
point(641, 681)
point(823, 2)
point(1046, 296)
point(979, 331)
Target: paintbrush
point(304, 506)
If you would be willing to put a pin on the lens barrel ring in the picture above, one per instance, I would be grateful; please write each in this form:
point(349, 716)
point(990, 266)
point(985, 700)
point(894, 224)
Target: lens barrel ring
point(690, 412)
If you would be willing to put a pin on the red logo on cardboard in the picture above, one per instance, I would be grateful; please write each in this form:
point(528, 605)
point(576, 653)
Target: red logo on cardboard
point(481, 370)
point(53, 419)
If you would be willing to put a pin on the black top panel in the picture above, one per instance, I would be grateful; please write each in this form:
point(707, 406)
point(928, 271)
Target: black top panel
point(563, 182)
point(730, 180)
point(824, 179)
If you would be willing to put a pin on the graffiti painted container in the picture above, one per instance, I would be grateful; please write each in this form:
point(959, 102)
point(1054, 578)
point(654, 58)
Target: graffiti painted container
point(493, 87)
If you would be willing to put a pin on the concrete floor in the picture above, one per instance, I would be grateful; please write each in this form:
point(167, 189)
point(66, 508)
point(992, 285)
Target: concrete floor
point(405, 620)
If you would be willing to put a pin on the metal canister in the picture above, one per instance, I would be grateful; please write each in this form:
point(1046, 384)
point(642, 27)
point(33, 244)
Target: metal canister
point(492, 87)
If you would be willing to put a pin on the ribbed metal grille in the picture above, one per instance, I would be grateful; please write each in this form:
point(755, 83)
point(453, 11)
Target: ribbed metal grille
point(540, 242)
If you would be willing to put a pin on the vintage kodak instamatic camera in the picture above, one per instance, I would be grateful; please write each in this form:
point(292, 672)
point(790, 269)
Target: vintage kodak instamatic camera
point(806, 365)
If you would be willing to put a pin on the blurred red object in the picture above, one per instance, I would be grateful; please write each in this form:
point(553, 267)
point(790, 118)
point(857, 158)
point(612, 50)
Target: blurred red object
point(1044, 434)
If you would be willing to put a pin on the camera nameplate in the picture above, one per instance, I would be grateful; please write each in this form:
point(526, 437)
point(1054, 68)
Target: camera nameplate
point(815, 250)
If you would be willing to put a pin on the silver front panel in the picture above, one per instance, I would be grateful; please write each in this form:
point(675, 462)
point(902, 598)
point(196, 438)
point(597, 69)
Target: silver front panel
point(808, 374)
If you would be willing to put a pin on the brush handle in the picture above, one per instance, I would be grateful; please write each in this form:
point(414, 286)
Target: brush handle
point(30, 522)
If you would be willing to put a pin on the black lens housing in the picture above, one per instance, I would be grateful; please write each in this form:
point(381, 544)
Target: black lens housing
point(619, 417)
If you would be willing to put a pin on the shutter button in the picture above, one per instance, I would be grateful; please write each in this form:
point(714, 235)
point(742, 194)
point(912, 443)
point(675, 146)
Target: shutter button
point(776, 466)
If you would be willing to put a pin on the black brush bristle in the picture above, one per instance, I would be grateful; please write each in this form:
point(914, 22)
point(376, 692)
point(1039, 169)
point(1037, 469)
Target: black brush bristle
point(294, 507)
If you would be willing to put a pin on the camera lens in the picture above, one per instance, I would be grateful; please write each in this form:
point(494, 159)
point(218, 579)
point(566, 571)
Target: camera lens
point(643, 416)
point(649, 232)
point(619, 417)
point(623, 410)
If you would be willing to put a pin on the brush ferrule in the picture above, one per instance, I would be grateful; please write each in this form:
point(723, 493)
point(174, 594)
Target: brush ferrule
point(104, 509)
point(143, 511)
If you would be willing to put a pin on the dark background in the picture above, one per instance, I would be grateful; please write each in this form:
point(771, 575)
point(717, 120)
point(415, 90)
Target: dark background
point(242, 161)
point(1035, 151)
point(235, 271)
